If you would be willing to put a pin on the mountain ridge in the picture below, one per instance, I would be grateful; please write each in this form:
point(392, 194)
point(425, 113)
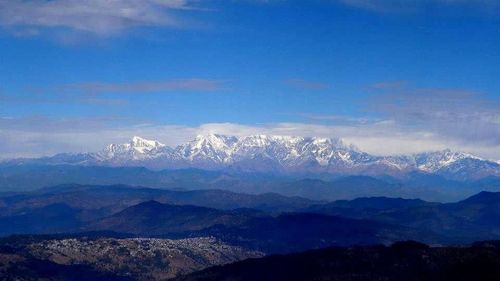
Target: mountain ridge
point(276, 154)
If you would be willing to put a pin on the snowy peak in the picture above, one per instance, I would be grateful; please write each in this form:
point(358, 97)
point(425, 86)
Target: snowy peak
point(141, 143)
point(433, 161)
point(136, 149)
point(288, 154)
point(212, 148)
point(282, 149)
point(305, 154)
point(218, 142)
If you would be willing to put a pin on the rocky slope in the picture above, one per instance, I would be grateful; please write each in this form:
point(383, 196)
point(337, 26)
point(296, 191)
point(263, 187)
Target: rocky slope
point(122, 259)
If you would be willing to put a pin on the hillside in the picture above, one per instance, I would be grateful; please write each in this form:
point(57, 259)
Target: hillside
point(402, 261)
point(83, 258)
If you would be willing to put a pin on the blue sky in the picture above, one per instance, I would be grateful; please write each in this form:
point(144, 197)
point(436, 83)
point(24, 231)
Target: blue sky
point(389, 76)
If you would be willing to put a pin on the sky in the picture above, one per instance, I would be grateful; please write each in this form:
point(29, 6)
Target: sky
point(389, 76)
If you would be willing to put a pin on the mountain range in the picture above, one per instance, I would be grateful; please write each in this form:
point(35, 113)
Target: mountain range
point(274, 154)
point(154, 234)
point(268, 223)
point(113, 209)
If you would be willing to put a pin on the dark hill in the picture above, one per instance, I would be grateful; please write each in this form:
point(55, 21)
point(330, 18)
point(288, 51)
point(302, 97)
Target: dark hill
point(400, 262)
point(301, 231)
point(475, 218)
point(152, 218)
point(117, 197)
point(52, 218)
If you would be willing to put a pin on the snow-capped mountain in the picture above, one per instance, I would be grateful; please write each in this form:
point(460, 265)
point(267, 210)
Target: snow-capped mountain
point(137, 149)
point(210, 150)
point(284, 154)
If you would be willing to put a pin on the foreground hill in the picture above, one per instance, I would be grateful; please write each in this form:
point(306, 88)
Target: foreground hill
point(50, 258)
point(46, 258)
point(17, 267)
point(402, 261)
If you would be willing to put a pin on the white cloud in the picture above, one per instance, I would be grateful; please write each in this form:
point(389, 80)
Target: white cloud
point(381, 138)
point(467, 116)
point(99, 17)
